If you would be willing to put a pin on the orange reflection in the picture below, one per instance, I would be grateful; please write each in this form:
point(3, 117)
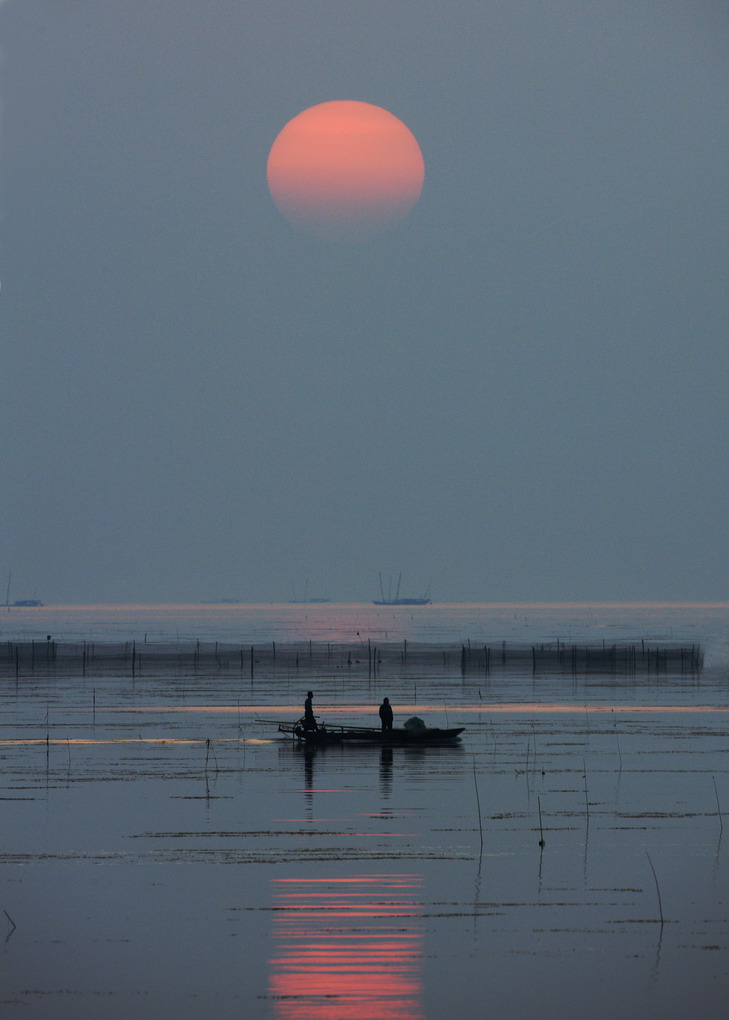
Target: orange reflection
point(348, 948)
point(65, 741)
point(339, 713)
point(532, 708)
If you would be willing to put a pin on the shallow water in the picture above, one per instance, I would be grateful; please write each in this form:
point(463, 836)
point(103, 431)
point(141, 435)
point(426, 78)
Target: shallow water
point(164, 852)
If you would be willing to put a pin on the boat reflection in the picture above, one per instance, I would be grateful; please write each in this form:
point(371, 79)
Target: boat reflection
point(309, 780)
point(322, 762)
point(385, 772)
point(347, 948)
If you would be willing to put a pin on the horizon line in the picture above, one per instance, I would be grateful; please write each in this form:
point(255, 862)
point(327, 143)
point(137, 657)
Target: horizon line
point(232, 604)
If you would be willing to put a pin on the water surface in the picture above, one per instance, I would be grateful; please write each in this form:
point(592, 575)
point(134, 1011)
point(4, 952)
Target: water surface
point(164, 852)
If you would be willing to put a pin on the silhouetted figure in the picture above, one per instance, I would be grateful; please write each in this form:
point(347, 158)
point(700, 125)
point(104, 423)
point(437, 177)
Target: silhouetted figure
point(309, 720)
point(386, 714)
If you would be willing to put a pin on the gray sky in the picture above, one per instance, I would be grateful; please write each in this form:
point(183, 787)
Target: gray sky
point(520, 393)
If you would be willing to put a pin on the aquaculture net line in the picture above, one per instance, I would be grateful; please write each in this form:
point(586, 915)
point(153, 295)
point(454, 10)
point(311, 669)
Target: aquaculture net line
point(135, 658)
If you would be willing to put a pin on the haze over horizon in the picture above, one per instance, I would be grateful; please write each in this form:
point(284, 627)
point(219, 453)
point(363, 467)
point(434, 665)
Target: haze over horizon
point(519, 393)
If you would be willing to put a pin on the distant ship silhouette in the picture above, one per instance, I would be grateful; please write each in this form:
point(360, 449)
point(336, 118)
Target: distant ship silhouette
point(306, 600)
point(424, 600)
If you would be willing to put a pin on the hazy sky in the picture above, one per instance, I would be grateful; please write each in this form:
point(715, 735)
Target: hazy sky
point(519, 393)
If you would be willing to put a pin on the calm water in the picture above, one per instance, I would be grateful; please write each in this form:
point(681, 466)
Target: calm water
point(164, 853)
point(344, 622)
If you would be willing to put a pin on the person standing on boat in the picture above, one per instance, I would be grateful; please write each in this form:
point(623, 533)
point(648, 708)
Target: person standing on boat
point(309, 720)
point(386, 714)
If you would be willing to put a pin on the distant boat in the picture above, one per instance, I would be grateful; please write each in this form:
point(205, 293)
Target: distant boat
point(402, 602)
point(306, 600)
point(20, 603)
point(424, 600)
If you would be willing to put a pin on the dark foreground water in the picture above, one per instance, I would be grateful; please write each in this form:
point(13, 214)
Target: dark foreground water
point(164, 853)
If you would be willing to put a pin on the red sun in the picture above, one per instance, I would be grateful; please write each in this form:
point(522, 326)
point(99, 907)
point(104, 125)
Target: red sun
point(345, 170)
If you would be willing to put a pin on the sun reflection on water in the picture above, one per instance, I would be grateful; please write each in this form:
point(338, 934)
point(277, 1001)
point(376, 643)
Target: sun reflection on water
point(347, 948)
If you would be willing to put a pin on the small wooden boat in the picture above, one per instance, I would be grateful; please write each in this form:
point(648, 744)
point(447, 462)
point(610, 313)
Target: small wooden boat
point(367, 735)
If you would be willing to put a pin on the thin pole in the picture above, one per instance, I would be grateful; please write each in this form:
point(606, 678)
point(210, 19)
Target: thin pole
point(478, 804)
point(718, 807)
point(658, 891)
point(541, 830)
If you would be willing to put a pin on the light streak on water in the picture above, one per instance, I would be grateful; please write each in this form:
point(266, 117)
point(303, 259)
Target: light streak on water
point(347, 948)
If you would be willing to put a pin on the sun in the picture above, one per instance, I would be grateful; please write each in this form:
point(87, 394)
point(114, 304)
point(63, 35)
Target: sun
point(345, 170)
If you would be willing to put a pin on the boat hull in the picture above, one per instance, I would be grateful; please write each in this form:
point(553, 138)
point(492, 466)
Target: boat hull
point(361, 736)
point(402, 602)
